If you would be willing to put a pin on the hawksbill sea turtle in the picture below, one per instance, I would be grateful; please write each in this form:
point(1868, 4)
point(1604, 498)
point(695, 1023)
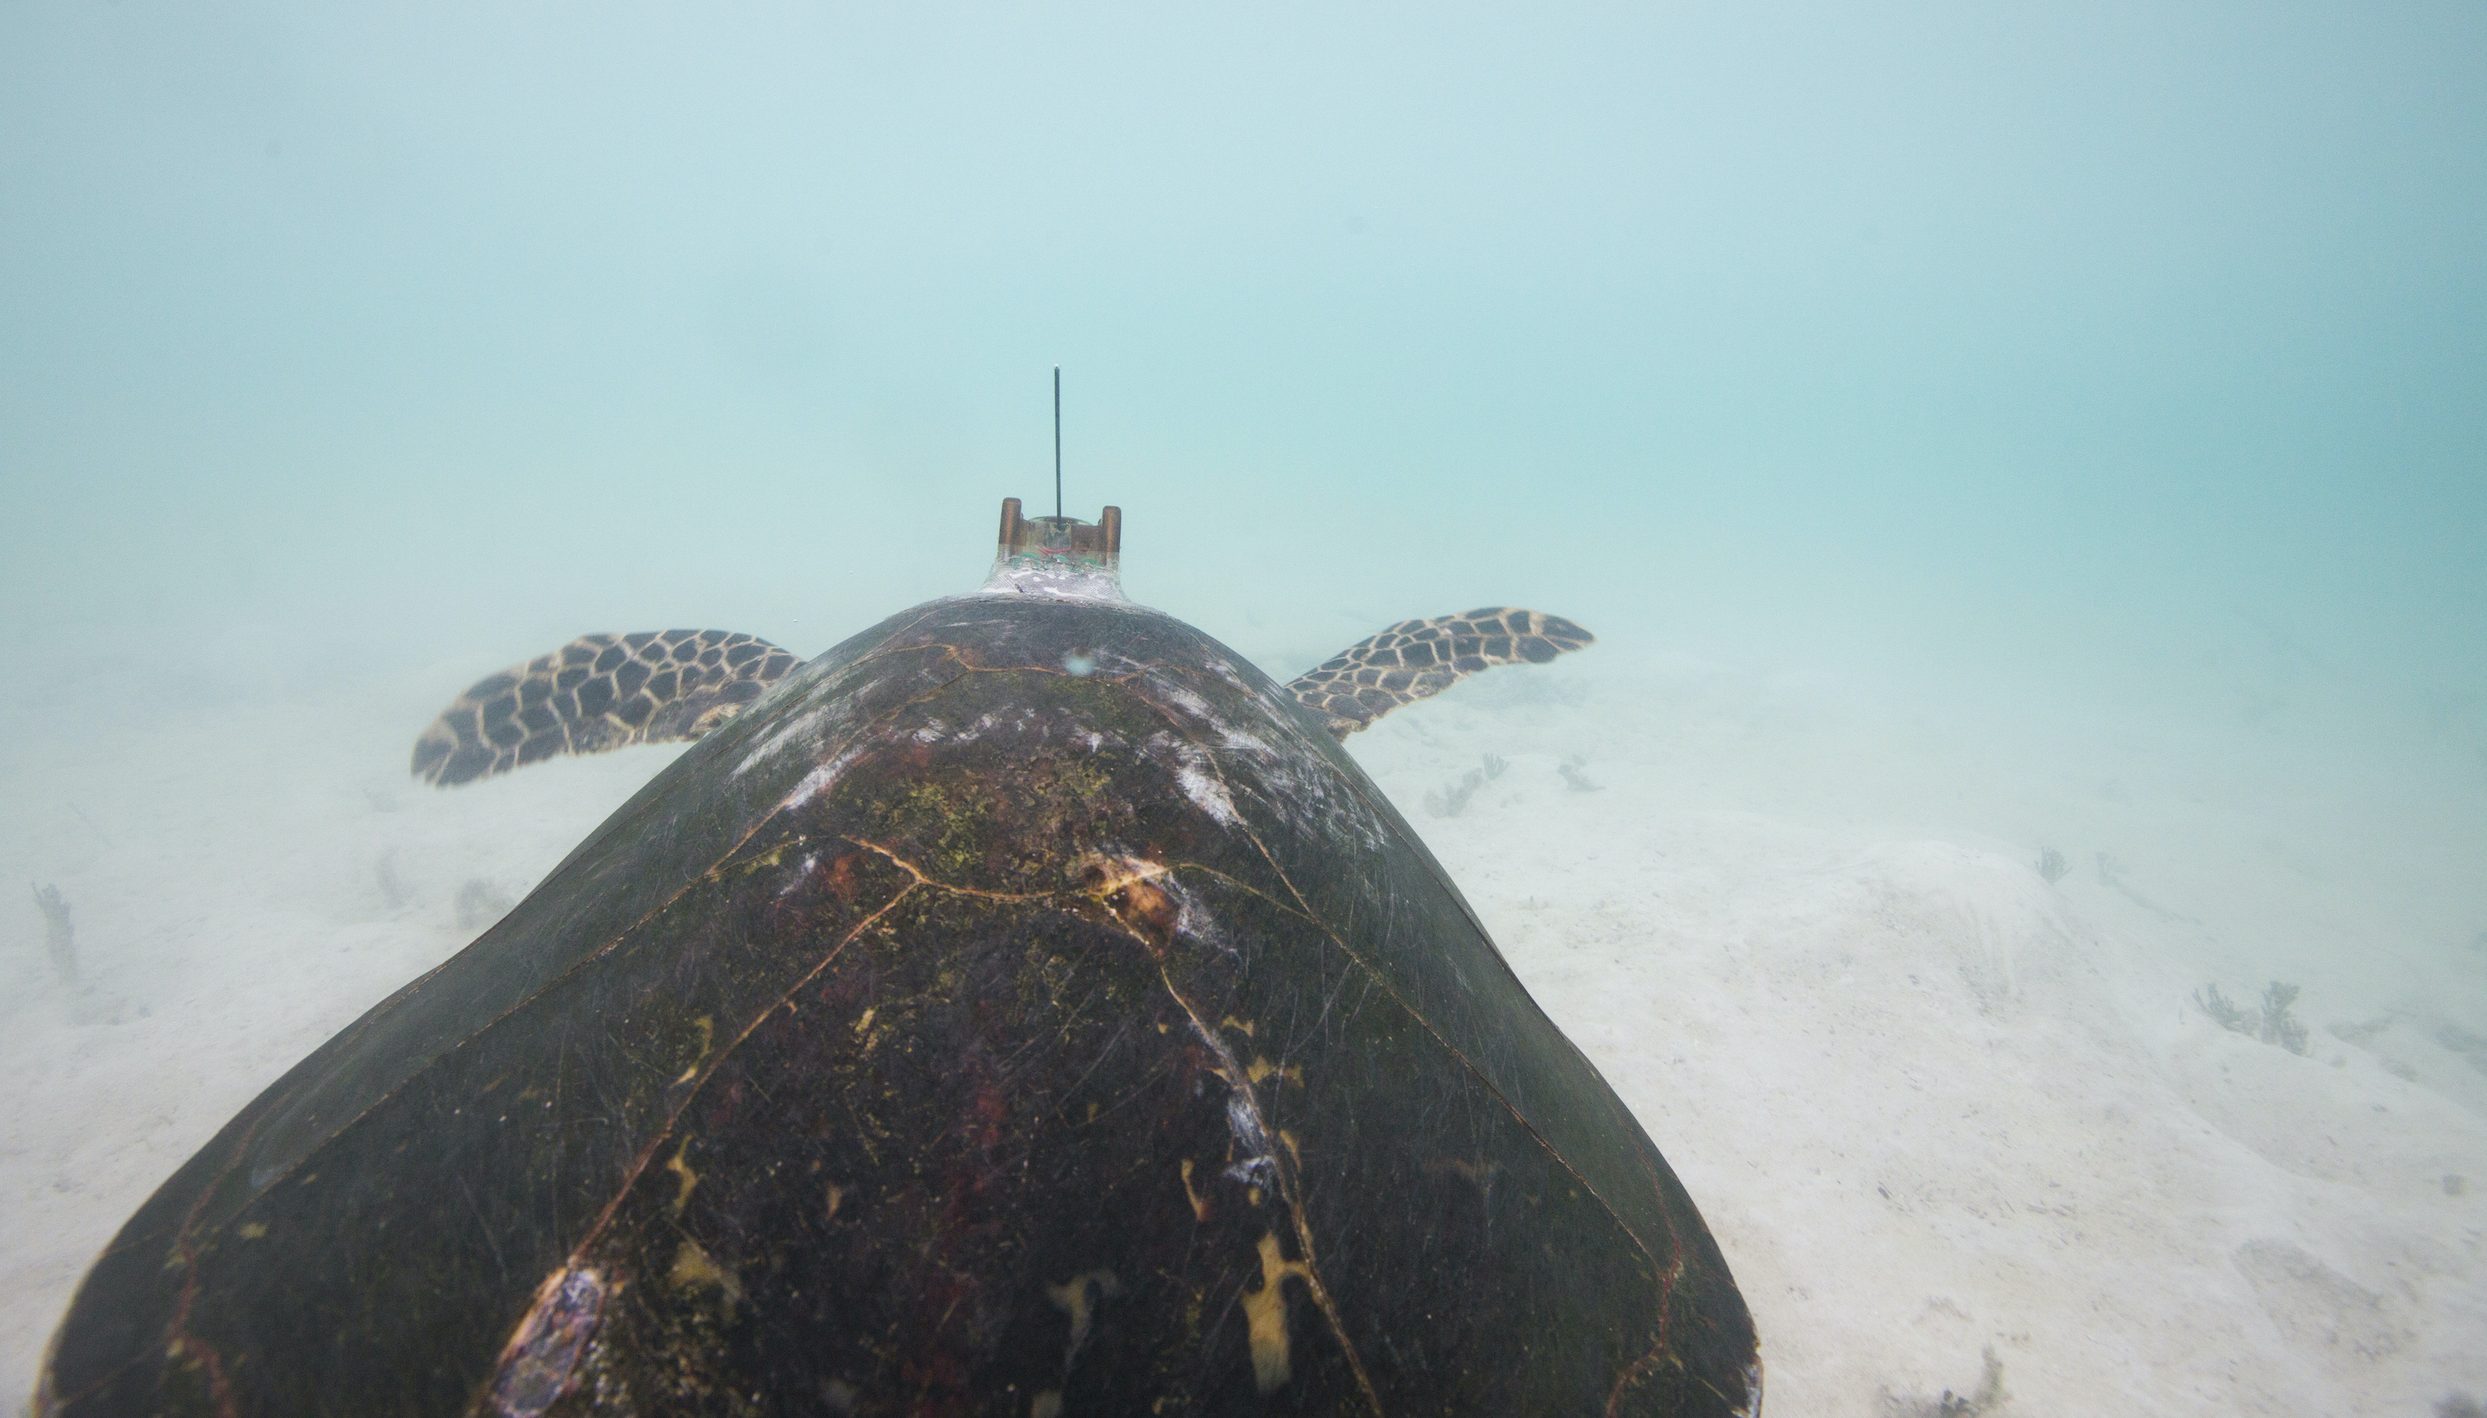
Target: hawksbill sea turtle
point(1026, 1007)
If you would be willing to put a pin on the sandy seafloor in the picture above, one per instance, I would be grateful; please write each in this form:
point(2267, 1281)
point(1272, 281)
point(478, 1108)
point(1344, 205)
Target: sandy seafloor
point(1933, 1106)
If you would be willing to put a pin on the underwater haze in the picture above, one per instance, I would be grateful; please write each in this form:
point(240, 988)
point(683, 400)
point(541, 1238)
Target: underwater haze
point(1980, 437)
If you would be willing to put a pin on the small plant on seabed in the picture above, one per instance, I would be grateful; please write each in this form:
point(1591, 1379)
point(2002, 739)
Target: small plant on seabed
point(1986, 1401)
point(392, 886)
point(2273, 1024)
point(2458, 1405)
point(59, 937)
point(1576, 780)
point(2223, 1010)
point(1453, 800)
point(2052, 865)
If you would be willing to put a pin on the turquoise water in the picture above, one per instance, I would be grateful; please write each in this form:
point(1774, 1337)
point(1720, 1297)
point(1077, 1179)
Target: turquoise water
point(2087, 369)
point(2089, 336)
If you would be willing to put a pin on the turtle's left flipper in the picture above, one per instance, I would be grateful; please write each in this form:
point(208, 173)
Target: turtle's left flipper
point(595, 693)
point(1416, 659)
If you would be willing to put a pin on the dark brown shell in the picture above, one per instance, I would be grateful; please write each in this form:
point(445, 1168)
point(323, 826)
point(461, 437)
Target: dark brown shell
point(1025, 1009)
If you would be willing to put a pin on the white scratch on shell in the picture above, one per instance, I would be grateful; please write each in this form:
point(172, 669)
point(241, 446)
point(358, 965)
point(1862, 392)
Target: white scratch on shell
point(1203, 787)
point(818, 779)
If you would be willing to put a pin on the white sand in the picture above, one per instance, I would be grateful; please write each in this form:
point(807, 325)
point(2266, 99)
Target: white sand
point(1932, 1106)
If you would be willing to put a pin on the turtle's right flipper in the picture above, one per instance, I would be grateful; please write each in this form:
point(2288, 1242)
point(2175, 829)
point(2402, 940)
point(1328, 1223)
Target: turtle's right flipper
point(595, 693)
point(1417, 659)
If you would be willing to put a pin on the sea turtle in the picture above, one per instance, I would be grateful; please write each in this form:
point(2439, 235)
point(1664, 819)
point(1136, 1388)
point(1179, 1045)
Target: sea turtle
point(1026, 1008)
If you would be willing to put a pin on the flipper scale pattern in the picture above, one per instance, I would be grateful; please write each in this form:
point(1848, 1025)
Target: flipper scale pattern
point(595, 693)
point(1417, 659)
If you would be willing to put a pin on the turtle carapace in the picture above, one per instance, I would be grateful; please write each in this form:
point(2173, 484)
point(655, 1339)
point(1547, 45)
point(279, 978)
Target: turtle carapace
point(1025, 1008)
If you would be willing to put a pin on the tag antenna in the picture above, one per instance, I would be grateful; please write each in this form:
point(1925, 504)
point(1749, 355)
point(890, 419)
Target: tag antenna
point(1057, 442)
